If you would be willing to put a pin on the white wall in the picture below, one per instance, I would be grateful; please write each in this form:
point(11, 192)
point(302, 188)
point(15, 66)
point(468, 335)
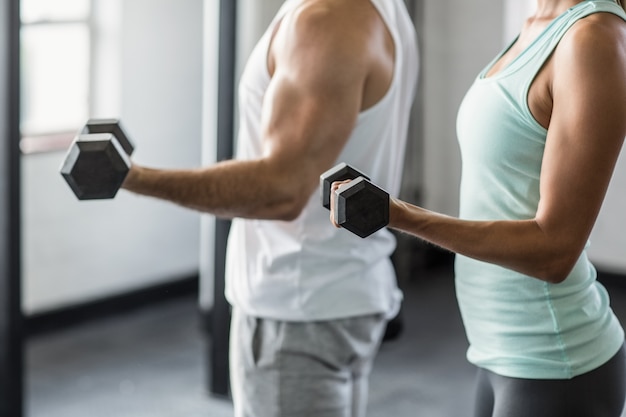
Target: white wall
point(515, 13)
point(608, 240)
point(76, 251)
point(460, 37)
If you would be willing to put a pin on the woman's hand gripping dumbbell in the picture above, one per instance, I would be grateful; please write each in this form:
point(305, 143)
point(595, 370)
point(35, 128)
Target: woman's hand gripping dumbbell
point(98, 160)
point(357, 205)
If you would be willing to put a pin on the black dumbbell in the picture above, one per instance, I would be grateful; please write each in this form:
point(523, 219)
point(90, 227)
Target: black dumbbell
point(360, 206)
point(98, 160)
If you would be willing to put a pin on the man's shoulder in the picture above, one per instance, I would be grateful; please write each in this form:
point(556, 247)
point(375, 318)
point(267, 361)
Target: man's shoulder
point(343, 27)
point(323, 30)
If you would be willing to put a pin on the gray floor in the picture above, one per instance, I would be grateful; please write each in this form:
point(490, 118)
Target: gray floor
point(151, 363)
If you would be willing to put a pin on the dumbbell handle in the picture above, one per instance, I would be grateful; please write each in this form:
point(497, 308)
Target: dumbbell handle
point(339, 172)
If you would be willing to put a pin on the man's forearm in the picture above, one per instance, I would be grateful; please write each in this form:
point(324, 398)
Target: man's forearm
point(228, 189)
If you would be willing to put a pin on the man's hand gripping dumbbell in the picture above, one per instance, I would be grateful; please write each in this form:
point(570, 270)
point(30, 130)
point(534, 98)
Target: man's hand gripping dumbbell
point(357, 205)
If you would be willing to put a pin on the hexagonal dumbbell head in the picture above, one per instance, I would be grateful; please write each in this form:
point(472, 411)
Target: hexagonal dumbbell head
point(339, 172)
point(95, 166)
point(361, 207)
point(112, 126)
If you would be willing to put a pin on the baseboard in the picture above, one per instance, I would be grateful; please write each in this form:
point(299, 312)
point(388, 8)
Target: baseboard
point(73, 315)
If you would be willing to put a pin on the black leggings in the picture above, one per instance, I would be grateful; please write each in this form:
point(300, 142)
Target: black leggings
point(599, 393)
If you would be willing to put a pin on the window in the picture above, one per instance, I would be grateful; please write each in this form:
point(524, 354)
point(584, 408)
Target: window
point(55, 71)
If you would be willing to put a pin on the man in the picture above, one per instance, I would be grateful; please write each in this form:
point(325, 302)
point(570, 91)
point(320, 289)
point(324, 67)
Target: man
point(330, 81)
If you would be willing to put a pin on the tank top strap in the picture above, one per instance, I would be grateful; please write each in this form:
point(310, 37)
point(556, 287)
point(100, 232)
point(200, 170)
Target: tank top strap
point(541, 48)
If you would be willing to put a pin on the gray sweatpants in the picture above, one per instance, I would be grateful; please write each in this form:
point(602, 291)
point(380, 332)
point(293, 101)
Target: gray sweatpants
point(299, 369)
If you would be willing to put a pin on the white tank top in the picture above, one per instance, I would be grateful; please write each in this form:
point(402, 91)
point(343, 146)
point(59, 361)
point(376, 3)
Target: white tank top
point(306, 269)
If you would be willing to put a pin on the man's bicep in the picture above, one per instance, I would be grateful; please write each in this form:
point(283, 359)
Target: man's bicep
point(316, 91)
point(308, 116)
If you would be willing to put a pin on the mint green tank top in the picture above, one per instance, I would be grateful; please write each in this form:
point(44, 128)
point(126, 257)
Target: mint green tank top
point(516, 325)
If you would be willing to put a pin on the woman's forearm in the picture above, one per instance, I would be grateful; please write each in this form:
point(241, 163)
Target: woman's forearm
point(520, 245)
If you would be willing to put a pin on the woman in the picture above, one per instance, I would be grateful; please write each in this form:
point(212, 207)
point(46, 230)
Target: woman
point(540, 132)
